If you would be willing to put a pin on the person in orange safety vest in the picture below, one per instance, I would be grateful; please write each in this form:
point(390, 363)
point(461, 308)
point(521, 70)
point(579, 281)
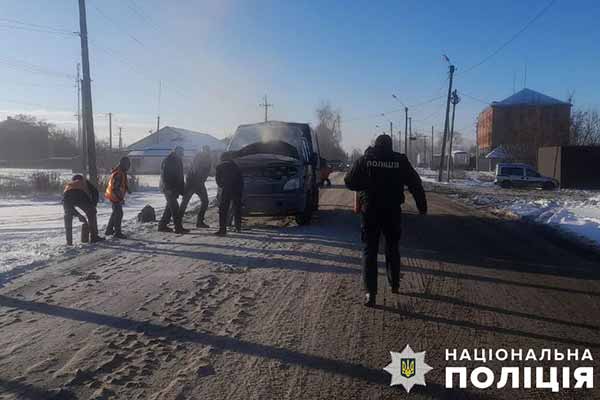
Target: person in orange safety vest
point(116, 190)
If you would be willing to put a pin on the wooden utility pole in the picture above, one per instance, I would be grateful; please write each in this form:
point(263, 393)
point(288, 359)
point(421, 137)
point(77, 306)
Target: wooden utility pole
point(88, 113)
point(110, 130)
point(266, 105)
point(120, 138)
point(455, 101)
point(406, 131)
point(392, 133)
point(446, 123)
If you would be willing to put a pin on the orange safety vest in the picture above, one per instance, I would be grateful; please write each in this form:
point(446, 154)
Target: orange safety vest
point(77, 185)
point(110, 188)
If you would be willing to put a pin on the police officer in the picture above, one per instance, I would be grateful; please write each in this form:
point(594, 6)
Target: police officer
point(195, 183)
point(231, 182)
point(172, 185)
point(380, 176)
point(80, 193)
point(116, 190)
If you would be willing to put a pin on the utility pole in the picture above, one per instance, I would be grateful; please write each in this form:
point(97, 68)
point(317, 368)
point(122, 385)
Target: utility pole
point(455, 101)
point(406, 131)
point(110, 130)
point(81, 143)
point(120, 138)
point(409, 137)
point(266, 105)
point(443, 155)
point(87, 95)
point(431, 161)
point(392, 133)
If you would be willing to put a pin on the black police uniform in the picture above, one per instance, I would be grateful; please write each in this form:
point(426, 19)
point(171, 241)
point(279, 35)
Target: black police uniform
point(380, 176)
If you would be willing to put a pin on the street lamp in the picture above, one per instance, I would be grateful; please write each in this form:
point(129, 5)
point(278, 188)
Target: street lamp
point(405, 125)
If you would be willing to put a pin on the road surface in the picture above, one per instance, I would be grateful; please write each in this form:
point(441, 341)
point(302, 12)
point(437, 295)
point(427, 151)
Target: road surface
point(276, 312)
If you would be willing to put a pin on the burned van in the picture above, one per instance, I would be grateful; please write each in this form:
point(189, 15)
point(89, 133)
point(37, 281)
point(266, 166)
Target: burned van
point(280, 164)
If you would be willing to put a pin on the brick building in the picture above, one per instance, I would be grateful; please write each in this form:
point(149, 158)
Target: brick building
point(522, 123)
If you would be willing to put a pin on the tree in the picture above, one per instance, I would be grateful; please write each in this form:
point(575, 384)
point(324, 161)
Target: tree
point(585, 128)
point(62, 143)
point(355, 155)
point(329, 132)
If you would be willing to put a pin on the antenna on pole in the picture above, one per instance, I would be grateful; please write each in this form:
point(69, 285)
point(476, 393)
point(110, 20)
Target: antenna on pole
point(266, 105)
point(158, 111)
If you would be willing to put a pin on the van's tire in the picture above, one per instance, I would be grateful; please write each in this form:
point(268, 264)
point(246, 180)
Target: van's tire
point(506, 184)
point(304, 217)
point(548, 186)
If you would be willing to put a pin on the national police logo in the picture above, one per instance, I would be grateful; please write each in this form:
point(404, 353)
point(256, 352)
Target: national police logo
point(408, 368)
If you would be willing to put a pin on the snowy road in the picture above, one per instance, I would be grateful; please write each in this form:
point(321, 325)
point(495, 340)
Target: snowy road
point(275, 312)
point(32, 229)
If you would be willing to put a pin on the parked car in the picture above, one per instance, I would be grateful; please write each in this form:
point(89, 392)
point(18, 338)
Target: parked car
point(522, 175)
point(280, 164)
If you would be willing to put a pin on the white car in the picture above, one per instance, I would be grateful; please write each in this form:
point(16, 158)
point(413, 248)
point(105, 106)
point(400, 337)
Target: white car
point(522, 175)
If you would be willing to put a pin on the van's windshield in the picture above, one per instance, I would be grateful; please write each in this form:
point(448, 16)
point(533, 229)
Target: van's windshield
point(245, 136)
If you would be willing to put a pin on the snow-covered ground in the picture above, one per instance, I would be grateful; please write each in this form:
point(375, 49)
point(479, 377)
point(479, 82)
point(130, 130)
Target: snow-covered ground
point(576, 212)
point(32, 228)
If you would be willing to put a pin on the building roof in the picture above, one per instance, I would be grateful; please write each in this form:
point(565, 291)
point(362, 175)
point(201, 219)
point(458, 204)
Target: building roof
point(168, 137)
point(499, 153)
point(529, 97)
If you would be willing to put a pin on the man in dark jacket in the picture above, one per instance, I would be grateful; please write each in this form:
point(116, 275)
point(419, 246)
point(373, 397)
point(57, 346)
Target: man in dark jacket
point(80, 193)
point(380, 176)
point(172, 185)
point(195, 183)
point(231, 182)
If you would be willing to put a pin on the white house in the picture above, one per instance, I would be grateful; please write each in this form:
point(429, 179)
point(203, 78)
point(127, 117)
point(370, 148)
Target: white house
point(147, 153)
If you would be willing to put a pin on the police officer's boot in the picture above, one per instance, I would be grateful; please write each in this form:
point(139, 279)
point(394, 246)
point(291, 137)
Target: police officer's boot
point(370, 299)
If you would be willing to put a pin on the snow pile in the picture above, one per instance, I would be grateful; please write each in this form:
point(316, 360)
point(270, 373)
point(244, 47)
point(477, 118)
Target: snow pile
point(576, 212)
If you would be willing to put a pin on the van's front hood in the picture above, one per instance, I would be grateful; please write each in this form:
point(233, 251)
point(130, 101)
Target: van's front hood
point(271, 166)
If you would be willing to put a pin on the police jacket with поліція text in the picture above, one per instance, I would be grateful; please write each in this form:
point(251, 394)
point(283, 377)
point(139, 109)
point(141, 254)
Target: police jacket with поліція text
point(380, 175)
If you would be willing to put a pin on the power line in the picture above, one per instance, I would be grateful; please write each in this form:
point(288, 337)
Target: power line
point(39, 30)
point(475, 98)
point(512, 38)
point(32, 68)
point(133, 6)
point(24, 25)
point(426, 102)
point(114, 23)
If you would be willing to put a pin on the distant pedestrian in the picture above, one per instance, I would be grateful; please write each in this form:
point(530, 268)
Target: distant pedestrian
point(380, 176)
point(231, 182)
point(325, 172)
point(80, 193)
point(195, 183)
point(116, 190)
point(172, 185)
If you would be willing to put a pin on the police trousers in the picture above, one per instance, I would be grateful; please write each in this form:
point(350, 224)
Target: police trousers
point(376, 222)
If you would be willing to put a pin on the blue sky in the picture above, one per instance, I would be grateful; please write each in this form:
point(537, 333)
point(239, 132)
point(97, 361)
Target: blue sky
point(217, 59)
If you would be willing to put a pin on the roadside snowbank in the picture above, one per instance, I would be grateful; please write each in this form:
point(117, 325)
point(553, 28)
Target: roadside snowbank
point(576, 212)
